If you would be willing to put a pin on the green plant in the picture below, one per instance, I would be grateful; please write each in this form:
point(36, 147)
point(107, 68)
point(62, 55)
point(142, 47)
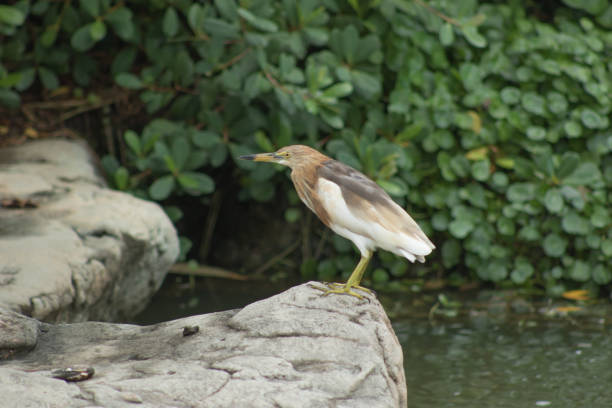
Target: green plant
point(488, 120)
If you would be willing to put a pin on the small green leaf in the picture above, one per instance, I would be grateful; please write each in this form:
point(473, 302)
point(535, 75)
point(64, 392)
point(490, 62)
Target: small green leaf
point(519, 192)
point(48, 78)
point(446, 34)
point(11, 15)
point(379, 275)
point(554, 245)
point(481, 170)
point(97, 30)
point(460, 228)
point(161, 188)
point(534, 103)
point(133, 141)
point(180, 152)
point(292, 214)
point(600, 217)
point(553, 200)
point(602, 275)
point(586, 173)
point(338, 90)
point(92, 7)
point(470, 32)
point(196, 183)
point(170, 22)
point(572, 129)
point(522, 271)
point(121, 178)
point(128, 80)
point(49, 36)
point(263, 141)
point(580, 271)
point(9, 98)
point(573, 223)
point(258, 22)
point(82, 40)
point(205, 139)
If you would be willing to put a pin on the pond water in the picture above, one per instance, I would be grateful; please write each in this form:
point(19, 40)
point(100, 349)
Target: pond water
point(485, 356)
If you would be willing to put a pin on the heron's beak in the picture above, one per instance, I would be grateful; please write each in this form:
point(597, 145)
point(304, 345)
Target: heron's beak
point(262, 157)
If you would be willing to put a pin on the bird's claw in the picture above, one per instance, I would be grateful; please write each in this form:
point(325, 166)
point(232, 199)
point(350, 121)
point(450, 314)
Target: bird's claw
point(342, 289)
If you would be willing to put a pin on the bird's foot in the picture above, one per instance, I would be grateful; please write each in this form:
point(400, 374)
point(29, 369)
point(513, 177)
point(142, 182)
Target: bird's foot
point(342, 289)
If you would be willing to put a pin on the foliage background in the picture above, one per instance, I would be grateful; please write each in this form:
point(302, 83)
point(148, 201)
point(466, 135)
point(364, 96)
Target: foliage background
point(488, 120)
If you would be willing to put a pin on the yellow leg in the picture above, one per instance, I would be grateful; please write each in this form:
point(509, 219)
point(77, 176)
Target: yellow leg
point(352, 282)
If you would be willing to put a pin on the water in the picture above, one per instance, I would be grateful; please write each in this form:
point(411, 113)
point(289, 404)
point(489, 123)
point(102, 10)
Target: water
point(471, 364)
point(486, 356)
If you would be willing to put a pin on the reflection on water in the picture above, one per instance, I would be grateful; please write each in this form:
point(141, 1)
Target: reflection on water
point(478, 363)
point(480, 359)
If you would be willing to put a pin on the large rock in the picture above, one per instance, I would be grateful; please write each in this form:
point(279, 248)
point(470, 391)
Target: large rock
point(70, 248)
point(296, 349)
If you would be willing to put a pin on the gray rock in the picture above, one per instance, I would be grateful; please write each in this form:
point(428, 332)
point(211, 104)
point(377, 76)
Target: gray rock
point(296, 349)
point(83, 252)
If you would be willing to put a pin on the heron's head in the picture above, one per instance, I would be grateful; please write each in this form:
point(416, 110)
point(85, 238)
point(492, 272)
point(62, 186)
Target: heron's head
point(291, 156)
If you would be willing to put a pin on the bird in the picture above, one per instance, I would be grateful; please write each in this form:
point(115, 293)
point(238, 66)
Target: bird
point(353, 206)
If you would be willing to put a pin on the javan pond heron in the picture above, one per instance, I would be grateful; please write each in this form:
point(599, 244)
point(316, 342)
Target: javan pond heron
point(353, 206)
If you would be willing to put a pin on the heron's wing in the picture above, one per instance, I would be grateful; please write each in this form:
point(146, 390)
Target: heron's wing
point(368, 201)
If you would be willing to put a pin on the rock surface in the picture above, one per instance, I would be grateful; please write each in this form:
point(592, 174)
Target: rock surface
point(70, 248)
point(295, 349)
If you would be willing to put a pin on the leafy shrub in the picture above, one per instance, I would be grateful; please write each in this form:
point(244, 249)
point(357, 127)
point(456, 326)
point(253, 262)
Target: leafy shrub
point(489, 120)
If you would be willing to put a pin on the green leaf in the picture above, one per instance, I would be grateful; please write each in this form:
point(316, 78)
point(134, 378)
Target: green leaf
point(572, 129)
point(446, 34)
point(536, 133)
point(573, 223)
point(534, 103)
point(522, 271)
point(258, 22)
point(82, 40)
point(196, 183)
point(600, 217)
point(48, 78)
point(49, 36)
point(170, 22)
point(180, 152)
point(128, 80)
point(205, 139)
point(602, 275)
point(133, 141)
point(606, 248)
point(510, 95)
point(97, 30)
point(394, 188)
point(9, 98)
point(161, 188)
point(121, 21)
point(92, 7)
point(553, 200)
point(481, 170)
point(121, 178)
point(592, 119)
point(460, 228)
point(580, 271)
point(554, 245)
point(263, 141)
point(221, 29)
point(11, 15)
point(520, 192)
point(379, 275)
point(292, 214)
point(585, 174)
point(338, 90)
point(471, 34)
